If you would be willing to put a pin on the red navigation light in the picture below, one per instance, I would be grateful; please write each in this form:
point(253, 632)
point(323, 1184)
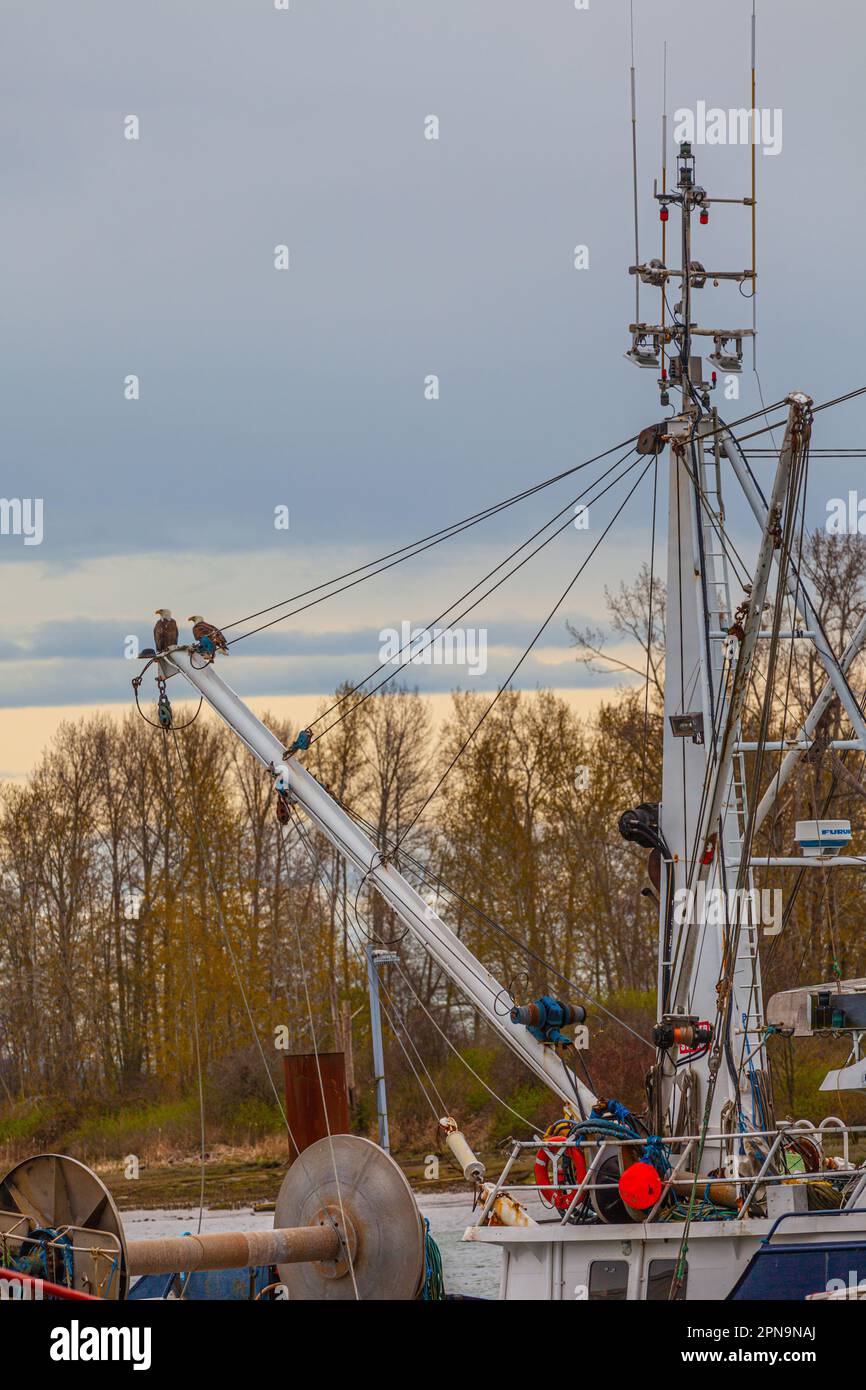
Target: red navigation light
point(663, 214)
point(640, 1186)
point(705, 217)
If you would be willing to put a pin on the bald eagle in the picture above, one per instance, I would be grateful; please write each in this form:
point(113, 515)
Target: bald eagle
point(165, 631)
point(209, 638)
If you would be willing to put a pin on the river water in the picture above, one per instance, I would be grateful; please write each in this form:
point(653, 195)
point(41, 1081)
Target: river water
point(468, 1268)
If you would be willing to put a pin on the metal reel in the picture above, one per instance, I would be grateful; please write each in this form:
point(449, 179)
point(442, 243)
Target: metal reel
point(56, 1204)
point(373, 1208)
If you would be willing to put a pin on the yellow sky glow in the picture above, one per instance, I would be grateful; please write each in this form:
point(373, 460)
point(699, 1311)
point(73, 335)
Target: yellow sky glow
point(26, 732)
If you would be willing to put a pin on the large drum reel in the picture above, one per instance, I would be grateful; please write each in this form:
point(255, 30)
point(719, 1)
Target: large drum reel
point(59, 1218)
point(346, 1226)
point(351, 1184)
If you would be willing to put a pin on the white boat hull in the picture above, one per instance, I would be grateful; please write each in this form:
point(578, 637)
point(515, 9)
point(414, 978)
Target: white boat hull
point(551, 1263)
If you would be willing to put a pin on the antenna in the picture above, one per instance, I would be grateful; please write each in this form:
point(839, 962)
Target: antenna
point(634, 170)
point(664, 225)
point(754, 200)
point(668, 343)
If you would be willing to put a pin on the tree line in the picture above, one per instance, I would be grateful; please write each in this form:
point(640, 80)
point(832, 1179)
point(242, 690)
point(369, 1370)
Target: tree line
point(155, 922)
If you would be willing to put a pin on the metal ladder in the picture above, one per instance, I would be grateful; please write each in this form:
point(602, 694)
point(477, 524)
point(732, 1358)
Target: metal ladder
point(734, 811)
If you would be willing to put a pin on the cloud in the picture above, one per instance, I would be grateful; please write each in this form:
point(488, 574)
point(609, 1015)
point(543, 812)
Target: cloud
point(305, 388)
point(82, 662)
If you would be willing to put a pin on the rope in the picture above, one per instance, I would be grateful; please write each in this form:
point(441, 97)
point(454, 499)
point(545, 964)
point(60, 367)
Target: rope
point(34, 1261)
point(434, 1278)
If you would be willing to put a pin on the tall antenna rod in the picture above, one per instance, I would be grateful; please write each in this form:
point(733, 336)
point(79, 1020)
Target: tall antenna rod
point(754, 201)
point(664, 185)
point(634, 172)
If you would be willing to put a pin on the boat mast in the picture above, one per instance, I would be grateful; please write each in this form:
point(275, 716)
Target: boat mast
point(703, 811)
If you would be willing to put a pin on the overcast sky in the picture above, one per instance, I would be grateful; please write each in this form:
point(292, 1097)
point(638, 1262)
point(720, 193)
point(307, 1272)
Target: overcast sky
point(408, 257)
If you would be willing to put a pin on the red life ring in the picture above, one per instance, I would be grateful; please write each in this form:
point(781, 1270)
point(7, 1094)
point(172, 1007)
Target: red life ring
point(552, 1196)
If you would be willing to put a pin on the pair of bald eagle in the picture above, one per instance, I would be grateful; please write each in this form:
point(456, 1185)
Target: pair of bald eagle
point(165, 634)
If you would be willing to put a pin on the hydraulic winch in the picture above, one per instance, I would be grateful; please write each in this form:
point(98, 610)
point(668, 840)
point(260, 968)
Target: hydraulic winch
point(546, 1017)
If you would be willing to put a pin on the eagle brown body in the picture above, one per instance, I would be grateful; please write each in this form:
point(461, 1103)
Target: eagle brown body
point(201, 629)
point(165, 631)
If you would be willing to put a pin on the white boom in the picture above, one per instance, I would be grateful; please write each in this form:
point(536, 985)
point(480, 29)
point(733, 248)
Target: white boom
point(491, 999)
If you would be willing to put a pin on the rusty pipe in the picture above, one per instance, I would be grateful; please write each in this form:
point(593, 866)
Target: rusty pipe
point(232, 1250)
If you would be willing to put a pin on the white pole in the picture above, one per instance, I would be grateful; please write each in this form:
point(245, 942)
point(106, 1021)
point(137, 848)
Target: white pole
point(378, 1048)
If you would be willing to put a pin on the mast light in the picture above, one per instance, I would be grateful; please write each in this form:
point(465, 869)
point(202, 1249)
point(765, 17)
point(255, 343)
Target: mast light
point(688, 726)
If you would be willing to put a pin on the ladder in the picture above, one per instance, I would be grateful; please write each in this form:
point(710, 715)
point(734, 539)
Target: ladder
point(723, 657)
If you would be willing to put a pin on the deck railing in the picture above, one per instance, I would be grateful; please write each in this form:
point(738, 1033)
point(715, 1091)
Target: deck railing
point(766, 1143)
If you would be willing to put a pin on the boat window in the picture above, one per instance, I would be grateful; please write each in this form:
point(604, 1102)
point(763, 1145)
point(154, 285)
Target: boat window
point(608, 1279)
point(659, 1279)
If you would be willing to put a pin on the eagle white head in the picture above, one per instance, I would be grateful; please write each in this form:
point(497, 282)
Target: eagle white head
point(163, 612)
point(196, 618)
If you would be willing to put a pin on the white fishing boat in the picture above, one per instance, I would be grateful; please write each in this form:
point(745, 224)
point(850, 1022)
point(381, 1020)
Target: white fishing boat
point(705, 1193)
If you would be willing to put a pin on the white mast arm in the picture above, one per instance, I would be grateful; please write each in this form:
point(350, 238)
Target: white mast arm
point(797, 590)
point(491, 999)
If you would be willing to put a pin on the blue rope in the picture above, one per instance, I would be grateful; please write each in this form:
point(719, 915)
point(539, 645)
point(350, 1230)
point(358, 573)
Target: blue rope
point(611, 1128)
point(35, 1262)
point(619, 1111)
point(657, 1153)
point(434, 1279)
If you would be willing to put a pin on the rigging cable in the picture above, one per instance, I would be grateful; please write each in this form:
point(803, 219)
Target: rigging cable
point(416, 547)
point(283, 855)
point(566, 591)
point(455, 528)
point(244, 997)
point(435, 881)
point(192, 975)
point(429, 629)
point(446, 1109)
